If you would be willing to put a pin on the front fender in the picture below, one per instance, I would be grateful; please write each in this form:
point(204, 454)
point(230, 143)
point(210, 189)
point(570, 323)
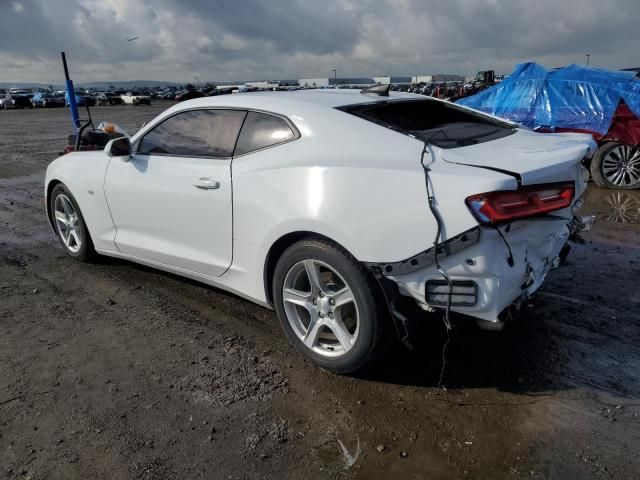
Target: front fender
point(83, 174)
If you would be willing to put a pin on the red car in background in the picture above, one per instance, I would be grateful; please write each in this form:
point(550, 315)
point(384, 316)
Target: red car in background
point(616, 163)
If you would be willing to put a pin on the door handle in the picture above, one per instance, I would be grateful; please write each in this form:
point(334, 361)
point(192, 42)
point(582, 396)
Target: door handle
point(205, 183)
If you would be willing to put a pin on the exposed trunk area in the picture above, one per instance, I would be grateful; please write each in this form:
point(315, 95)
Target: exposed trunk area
point(534, 158)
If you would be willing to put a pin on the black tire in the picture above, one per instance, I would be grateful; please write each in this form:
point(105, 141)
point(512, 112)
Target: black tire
point(373, 313)
point(86, 251)
point(597, 171)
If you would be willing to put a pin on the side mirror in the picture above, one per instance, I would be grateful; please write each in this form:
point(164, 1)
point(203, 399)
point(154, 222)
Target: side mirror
point(118, 147)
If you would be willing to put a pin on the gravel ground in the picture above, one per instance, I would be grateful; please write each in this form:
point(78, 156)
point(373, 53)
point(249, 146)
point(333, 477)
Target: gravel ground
point(113, 370)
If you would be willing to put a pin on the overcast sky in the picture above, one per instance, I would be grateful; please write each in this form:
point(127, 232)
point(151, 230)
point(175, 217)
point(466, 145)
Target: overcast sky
point(261, 39)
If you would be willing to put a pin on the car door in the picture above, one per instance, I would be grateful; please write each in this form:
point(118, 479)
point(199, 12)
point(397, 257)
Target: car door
point(171, 201)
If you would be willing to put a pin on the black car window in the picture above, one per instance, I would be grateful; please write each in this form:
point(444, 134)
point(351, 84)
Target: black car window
point(202, 133)
point(443, 124)
point(261, 130)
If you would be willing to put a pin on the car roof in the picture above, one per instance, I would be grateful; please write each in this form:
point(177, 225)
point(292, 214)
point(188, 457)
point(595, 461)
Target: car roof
point(299, 106)
point(295, 101)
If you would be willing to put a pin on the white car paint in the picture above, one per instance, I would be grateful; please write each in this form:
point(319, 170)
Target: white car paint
point(537, 160)
point(352, 181)
point(194, 231)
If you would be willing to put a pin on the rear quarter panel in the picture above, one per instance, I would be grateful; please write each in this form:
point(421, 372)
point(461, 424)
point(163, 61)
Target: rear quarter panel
point(357, 183)
point(365, 192)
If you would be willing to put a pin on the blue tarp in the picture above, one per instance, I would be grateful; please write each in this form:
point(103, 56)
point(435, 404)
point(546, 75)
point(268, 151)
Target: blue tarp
point(575, 97)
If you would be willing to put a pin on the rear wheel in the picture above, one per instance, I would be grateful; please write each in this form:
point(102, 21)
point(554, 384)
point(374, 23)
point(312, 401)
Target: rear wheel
point(69, 224)
point(330, 306)
point(616, 165)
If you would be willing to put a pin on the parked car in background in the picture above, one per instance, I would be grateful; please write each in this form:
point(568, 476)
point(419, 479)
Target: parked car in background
point(166, 94)
point(188, 95)
point(136, 98)
point(109, 99)
point(347, 212)
point(46, 100)
point(81, 100)
point(210, 91)
point(6, 102)
point(16, 101)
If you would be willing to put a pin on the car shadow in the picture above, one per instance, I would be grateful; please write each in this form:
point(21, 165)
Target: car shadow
point(468, 357)
point(550, 347)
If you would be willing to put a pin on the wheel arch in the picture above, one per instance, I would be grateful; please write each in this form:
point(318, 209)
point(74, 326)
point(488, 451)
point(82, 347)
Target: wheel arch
point(50, 186)
point(278, 248)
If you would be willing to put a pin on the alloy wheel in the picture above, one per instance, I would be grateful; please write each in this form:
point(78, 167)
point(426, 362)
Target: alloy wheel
point(621, 166)
point(321, 308)
point(68, 224)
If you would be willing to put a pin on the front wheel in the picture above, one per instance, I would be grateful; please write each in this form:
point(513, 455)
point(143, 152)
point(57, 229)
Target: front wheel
point(69, 224)
point(330, 306)
point(616, 165)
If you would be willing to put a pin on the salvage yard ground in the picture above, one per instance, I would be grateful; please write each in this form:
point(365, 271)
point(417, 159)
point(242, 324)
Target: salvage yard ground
point(116, 371)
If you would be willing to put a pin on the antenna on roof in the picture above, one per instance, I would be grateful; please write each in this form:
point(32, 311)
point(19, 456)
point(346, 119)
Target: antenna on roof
point(381, 89)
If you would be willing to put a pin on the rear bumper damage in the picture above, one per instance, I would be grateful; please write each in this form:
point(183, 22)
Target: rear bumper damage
point(490, 271)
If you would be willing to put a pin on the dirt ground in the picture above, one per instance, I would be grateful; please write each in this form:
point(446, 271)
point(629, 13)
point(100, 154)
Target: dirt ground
point(115, 371)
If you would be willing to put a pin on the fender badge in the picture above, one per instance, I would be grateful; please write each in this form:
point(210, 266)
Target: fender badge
point(90, 192)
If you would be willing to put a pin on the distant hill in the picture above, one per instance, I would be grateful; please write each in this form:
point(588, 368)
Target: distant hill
point(118, 85)
point(127, 84)
point(28, 85)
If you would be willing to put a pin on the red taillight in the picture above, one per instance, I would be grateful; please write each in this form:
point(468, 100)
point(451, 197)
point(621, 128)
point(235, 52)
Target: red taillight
point(506, 206)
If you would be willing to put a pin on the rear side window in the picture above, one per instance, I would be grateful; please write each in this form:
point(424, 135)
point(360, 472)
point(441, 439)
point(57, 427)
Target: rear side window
point(200, 133)
point(261, 130)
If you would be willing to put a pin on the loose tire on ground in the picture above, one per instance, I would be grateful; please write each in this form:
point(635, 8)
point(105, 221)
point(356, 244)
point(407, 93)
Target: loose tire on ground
point(320, 320)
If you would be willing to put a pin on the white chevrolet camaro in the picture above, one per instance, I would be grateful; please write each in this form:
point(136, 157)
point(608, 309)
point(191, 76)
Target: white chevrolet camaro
point(342, 210)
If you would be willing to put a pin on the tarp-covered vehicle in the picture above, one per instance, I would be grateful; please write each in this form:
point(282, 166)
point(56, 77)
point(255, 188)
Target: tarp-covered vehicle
point(576, 98)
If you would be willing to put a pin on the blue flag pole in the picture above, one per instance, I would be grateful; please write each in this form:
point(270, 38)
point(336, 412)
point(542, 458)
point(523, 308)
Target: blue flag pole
point(71, 95)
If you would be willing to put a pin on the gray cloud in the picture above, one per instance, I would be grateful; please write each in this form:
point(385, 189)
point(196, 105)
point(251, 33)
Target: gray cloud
point(253, 39)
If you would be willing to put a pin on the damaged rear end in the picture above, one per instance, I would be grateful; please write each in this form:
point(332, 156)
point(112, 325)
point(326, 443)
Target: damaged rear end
point(519, 230)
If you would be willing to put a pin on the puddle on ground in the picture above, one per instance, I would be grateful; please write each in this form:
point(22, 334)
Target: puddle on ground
point(613, 206)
